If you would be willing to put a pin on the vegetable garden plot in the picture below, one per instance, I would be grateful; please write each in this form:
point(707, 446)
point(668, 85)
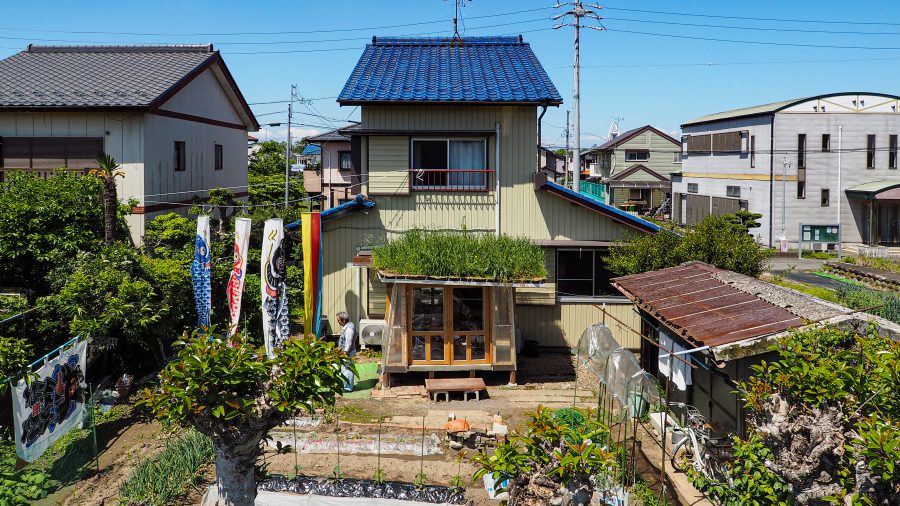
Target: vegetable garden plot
point(312, 442)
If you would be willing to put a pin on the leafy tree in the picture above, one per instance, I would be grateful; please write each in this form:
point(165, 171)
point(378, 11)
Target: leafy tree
point(170, 236)
point(268, 160)
point(44, 223)
point(824, 425)
point(721, 241)
point(222, 199)
point(107, 172)
point(14, 356)
point(269, 190)
point(232, 392)
point(554, 460)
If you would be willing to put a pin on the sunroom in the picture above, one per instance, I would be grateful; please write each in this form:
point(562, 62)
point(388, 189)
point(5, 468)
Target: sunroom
point(451, 300)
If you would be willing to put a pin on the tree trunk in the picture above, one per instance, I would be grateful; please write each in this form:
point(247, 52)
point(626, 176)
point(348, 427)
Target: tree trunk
point(236, 474)
point(110, 204)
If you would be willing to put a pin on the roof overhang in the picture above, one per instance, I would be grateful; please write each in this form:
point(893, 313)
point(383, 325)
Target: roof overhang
point(535, 103)
point(400, 279)
point(359, 203)
point(888, 189)
point(541, 182)
point(652, 185)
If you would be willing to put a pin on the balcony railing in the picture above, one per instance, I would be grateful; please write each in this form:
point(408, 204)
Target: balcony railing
point(596, 190)
point(450, 180)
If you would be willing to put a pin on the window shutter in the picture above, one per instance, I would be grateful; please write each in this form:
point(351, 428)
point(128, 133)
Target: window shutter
point(81, 152)
point(16, 153)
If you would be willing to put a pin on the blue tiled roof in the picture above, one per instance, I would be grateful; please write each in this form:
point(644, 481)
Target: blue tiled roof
point(468, 69)
point(312, 149)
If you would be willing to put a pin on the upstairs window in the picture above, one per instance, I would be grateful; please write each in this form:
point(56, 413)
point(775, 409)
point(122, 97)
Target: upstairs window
point(733, 191)
point(180, 160)
point(870, 152)
point(449, 165)
point(727, 142)
point(344, 160)
point(693, 188)
point(699, 144)
point(677, 157)
point(826, 197)
point(752, 151)
point(219, 160)
point(892, 152)
point(801, 151)
point(637, 155)
point(826, 143)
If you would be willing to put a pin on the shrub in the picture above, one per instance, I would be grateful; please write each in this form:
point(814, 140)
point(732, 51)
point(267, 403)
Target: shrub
point(721, 241)
point(161, 478)
point(884, 304)
point(443, 254)
point(18, 486)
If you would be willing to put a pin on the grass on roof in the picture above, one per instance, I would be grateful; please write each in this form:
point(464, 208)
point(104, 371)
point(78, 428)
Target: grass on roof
point(455, 255)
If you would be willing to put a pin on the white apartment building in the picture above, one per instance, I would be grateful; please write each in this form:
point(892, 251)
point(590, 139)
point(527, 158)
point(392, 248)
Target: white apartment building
point(821, 160)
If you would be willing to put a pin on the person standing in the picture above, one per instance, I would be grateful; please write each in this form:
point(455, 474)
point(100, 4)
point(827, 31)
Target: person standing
point(347, 343)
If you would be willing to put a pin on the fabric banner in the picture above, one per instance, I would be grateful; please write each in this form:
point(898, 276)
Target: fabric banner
point(200, 274)
point(51, 405)
point(276, 321)
point(238, 271)
point(311, 235)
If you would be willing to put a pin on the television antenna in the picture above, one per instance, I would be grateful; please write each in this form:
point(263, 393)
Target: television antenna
point(614, 128)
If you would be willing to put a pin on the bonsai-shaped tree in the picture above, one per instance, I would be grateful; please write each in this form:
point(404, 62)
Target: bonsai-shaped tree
point(229, 390)
point(108, 171)
point(553, 459)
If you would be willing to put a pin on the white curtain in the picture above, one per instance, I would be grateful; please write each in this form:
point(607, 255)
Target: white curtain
point(467, 155)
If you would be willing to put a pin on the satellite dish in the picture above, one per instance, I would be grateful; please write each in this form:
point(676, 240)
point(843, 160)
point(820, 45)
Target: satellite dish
point(613, 130)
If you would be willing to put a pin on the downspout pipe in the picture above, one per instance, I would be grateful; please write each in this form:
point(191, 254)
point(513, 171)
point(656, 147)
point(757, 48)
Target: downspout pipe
point(771, 176)
point(497, 177)
point(539, 143)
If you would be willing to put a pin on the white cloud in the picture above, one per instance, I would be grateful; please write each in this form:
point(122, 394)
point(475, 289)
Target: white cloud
point(279, 133)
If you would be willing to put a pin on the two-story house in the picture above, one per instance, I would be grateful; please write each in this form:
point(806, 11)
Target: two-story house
point(448, 141)
point(336, 178)
point(825, 160)
point(172, 116)
point(635, 166)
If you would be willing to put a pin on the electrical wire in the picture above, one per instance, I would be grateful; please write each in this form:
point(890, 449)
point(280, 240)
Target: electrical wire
point(754, 42)
point(751, 28)
point(746, 18)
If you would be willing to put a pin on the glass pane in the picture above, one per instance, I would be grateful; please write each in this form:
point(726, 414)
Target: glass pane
point(428, 309)
point(478, 347)
point(437, 348)
point(571, 288)
point(602, 275)
point(459, 348)
point(468, 309)
point(430, 155)
point(418, 348)
point(574, 264)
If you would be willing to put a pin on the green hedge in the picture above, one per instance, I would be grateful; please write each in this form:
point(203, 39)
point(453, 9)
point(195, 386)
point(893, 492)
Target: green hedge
point(439, 254)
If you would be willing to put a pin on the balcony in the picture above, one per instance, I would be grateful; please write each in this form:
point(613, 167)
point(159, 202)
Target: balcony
point(596, 190)
point(450, 180)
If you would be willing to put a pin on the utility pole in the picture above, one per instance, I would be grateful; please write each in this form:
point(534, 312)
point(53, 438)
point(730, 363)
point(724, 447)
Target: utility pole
point(578, 11)
point(783, 238)
point(287, 158)
point(566, 166)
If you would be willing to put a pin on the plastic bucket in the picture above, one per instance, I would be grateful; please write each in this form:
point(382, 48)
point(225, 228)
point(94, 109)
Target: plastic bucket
point(496, 486)
point(638, 406)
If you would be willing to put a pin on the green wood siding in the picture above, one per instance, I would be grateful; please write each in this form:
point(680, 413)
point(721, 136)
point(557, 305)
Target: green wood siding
point(661, 156)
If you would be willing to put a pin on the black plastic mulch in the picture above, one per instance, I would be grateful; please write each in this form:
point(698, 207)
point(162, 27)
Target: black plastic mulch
point(349, 487)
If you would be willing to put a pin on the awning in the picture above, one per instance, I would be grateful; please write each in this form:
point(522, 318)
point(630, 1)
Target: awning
point(887, 189)
point(359, 203)
point(541, 182)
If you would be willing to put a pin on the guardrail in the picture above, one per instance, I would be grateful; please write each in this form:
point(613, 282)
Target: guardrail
point(450, 180)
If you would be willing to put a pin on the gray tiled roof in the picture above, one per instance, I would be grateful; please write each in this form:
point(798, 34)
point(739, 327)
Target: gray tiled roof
point(95, 76)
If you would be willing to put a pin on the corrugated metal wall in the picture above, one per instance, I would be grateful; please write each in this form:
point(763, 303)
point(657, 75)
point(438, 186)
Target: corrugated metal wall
point(389, 165)
point(562, 324)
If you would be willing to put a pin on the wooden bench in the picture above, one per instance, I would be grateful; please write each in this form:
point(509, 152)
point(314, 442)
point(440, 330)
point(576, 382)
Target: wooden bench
point(436, 387)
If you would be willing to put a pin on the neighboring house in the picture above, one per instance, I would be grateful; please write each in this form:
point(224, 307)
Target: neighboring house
point(337, 178)
point(172, 116)
point(838, 152)
point(458, 150)
point(635, 166)
point(311, 156)
point(552, 164)
point(723, 323)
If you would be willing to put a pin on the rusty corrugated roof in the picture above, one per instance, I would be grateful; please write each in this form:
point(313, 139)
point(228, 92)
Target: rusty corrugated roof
point(696, 302)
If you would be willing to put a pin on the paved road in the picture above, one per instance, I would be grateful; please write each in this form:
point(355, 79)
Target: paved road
point(778, 264)
point(812, 279)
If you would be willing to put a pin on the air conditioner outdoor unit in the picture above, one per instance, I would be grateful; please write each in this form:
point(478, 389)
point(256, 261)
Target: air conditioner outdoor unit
point(594, 169)
point(371, 332)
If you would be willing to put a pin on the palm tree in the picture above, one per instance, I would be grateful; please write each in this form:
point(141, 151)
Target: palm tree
point(107, 172)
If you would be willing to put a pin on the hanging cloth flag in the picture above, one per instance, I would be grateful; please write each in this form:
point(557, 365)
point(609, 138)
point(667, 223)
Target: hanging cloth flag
point(236, 281)
point(311, 232)
point(200, 273)
point(50, 405)
point(276, 322)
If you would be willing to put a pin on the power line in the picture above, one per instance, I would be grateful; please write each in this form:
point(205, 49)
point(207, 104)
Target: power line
point(745, 18)
point(753, 28)
point(756, 42)
point(229, 34)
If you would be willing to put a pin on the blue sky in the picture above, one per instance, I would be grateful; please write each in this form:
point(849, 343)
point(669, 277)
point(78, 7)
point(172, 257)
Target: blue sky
point(663, 76)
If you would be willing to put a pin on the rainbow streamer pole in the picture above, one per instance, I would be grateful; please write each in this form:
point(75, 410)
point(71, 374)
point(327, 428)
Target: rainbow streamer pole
point(311, 235)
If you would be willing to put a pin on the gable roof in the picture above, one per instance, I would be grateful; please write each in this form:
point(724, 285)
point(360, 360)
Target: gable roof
point(483, 70)
point(630, 134)
point(635, 168)
point(770, 108)
point(336, 135)
point(59, 78)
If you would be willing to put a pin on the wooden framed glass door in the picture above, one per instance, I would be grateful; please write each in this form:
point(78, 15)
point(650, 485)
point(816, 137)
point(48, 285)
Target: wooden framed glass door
point(449, 325)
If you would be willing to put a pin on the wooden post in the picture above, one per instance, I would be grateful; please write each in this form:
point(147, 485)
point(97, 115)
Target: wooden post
point(512, 377)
